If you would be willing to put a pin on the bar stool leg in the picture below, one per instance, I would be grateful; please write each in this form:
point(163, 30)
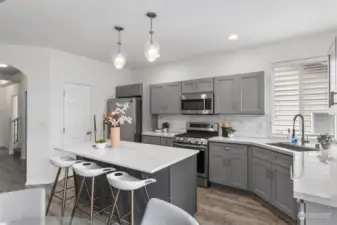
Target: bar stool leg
point(92, 200)
point(53, 190)
point(113, 208)
point(76, 201)
point(64, 198)
point(147, 194)
point(132, 207)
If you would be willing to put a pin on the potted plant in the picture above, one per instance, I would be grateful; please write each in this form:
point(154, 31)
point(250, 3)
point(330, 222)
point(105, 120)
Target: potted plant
point(165, 126)
point(115, 120)
point(325, 140)
point(100, 144)
point(227, 130)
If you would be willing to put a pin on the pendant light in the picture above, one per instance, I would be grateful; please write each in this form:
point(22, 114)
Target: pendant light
point(151, 48)
point(119, 59)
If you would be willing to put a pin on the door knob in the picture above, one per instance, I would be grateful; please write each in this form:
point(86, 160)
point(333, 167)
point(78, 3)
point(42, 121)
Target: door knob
point(89, 133)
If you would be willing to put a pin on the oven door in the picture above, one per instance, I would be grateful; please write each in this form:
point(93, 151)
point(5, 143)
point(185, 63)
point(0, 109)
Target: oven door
point(201, 103)
point(202, 157)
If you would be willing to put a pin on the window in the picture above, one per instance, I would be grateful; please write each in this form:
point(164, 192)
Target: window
point(301, 86)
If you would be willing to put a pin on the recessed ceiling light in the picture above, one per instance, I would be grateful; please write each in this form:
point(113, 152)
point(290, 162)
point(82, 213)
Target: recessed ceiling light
point(3, 82)
point(3, 65)
point(233, 37)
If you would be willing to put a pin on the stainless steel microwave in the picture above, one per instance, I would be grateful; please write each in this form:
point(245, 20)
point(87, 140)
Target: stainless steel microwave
point(197, 103)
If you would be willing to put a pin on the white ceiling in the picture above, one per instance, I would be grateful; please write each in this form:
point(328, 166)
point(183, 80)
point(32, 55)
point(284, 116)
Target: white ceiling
point(184, 28)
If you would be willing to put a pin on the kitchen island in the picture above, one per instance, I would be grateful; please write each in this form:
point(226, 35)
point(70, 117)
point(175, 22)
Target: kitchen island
point(175, 170)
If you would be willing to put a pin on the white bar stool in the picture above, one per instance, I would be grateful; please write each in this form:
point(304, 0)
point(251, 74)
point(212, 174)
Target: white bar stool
point(61, 162)
point(126, 182)
point(87, 170)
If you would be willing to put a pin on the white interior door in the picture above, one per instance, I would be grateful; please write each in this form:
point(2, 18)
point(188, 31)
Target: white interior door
point(77, 113)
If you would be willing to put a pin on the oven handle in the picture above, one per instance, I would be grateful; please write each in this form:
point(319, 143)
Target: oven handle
point(201, 148)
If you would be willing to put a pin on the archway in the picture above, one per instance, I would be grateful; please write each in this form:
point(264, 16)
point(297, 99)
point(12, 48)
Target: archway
point(13, 127)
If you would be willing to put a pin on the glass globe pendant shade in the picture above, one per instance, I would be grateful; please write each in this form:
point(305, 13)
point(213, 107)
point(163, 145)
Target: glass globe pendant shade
point(119, 61)
point(152, 51)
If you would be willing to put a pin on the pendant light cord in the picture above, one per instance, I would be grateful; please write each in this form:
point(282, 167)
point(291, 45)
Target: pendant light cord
point(151, 32)
point(119, 42)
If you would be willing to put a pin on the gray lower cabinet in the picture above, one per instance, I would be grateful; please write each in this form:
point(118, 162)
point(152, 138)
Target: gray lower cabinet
point(199, 85)
point(165, 98)
point(272, 181)
point(228, 165)
point(166, 141)
point(261, 178)
point(240, 94)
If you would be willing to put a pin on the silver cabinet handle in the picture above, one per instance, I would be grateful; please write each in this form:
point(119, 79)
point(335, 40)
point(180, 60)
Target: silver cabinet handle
point(291, 173)
point(227, 149)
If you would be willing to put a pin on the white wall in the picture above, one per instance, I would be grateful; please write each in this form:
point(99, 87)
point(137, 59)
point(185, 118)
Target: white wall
point(102, 77)
point(34, 63)
point(2, 116)
point(258, 58)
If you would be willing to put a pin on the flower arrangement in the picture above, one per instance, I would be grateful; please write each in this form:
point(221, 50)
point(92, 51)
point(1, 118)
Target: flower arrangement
point(227, 130)
point(118, 117)
point(325, 140)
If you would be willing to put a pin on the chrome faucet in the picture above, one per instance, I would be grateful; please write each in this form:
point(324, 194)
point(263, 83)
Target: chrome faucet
point(294, 135)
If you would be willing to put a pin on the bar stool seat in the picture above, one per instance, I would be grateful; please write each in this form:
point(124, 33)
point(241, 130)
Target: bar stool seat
point(62, 161)
point(126, 182)
point(88, 170)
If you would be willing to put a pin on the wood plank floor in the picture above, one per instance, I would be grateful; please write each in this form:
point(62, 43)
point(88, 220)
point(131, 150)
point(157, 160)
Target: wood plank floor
point(216, 206)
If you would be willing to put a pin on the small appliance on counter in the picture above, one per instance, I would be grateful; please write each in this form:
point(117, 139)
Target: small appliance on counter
point(196, 137)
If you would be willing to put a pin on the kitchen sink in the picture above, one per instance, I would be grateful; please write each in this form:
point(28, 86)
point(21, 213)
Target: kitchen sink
point(292, 147)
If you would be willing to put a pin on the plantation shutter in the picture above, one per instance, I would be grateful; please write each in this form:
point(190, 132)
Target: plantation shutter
point(299, 87)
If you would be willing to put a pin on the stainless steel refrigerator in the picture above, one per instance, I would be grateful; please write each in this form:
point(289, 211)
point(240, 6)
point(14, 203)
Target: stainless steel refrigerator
point(129, 132)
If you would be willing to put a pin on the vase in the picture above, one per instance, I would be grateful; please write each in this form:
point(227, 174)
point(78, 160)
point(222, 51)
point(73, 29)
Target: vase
point(165, 130)
point(115, 137)
point(224, 132)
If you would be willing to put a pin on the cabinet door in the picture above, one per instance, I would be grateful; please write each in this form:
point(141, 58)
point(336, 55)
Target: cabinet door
point(250, 93)
point(217, 167)
point(282, 191)
point(224, 95)
point(237, 171)
point(172, 98)
point(205, 85)
point(157, 94)
point(261, 178)
point(189, 86)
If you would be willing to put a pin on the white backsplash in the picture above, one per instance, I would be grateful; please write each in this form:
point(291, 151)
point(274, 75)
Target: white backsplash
point(245, 126)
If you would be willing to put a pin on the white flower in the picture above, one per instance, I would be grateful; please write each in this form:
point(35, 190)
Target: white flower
point(118, 117)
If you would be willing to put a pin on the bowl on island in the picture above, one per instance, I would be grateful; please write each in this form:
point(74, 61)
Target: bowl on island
point(101, 144)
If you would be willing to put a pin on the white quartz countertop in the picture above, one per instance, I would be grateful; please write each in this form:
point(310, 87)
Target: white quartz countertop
point(161, 134)
point(137, 156)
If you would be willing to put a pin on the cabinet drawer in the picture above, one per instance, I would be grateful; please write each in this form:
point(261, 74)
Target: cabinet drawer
point(230, 148)
point(166, 141)
point(151, 140)
point(263, 154)
point(283, 160)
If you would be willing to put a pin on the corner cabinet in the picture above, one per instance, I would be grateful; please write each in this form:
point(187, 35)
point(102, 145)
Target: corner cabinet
point(240, 94)
point(165, 98)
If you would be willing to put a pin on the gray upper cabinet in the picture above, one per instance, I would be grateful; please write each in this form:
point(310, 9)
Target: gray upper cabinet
point(261, 178)
point(157, 99)
point(240, 94)
point(165, 98)
point(250, 93)
point(282, 191)
point(224, 95)
point(195, 86)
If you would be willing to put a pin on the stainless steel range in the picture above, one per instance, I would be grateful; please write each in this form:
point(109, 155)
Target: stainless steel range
point(196, 137)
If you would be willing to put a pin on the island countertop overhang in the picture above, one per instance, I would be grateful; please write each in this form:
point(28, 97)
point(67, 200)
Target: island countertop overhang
point(146, 158)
